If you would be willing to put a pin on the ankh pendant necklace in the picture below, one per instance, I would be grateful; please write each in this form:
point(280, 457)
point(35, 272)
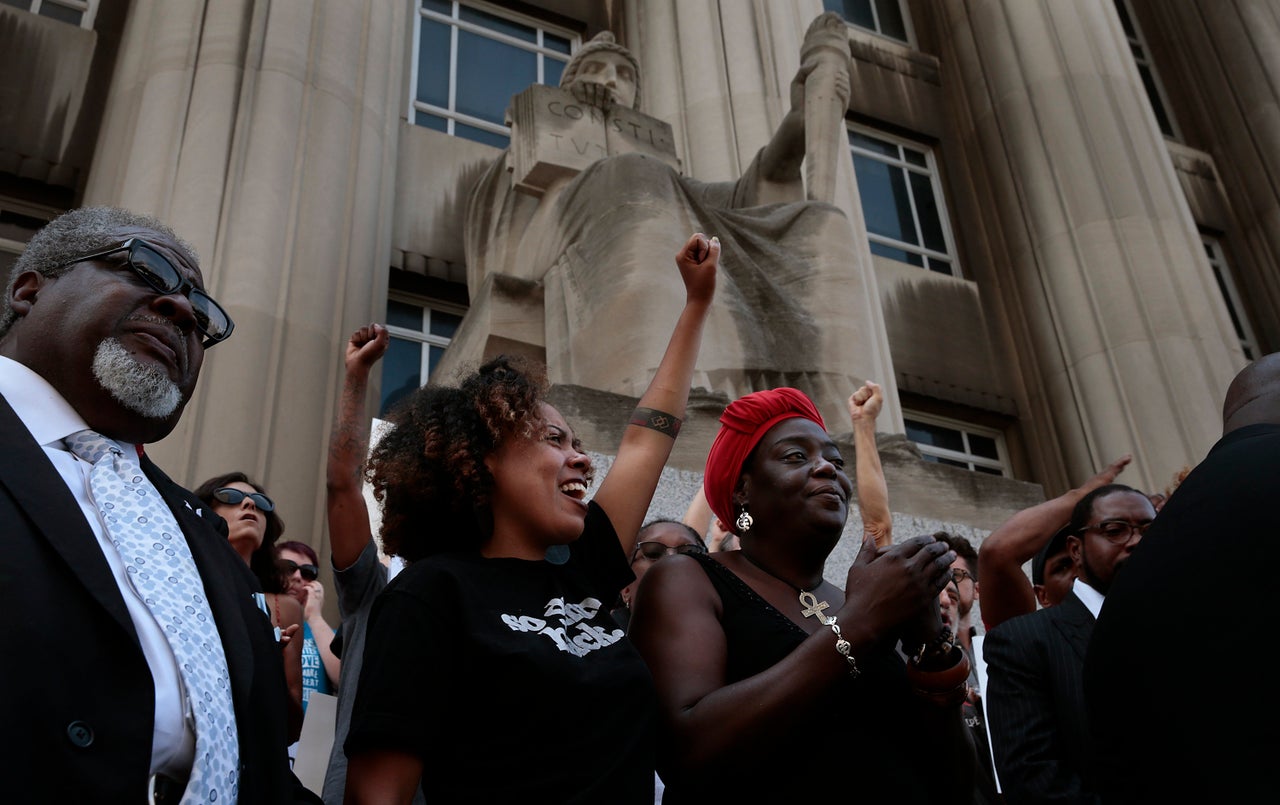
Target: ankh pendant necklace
point(811, 607)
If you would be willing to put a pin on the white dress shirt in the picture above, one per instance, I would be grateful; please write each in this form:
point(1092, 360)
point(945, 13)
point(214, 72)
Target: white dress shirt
point(1091, 598)
point(50, 419)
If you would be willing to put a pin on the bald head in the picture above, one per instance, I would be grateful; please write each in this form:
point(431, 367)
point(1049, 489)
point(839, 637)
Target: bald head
point(1254, 396)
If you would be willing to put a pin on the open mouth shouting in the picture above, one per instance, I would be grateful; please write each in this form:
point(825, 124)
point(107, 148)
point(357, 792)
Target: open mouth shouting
point(576, 490)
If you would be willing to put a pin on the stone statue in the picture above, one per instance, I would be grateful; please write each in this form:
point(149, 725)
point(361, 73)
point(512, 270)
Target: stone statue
point(589, 206)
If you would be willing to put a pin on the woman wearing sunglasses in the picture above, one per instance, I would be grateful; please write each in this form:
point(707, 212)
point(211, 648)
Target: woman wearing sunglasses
point(492, 669)
point(253, 526)
point(657, 539)
point(301, 570)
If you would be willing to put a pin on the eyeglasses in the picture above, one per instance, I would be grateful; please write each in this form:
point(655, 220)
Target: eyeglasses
point(156, 270)
point(309, 572)
point(1118, 531)
point(655, 550)
point(232, 497)
point(959, 574)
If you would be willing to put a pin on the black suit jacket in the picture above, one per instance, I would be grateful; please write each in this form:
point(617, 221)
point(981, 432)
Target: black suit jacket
point(1035, 705)
point(1179, 681)
point(79, 698)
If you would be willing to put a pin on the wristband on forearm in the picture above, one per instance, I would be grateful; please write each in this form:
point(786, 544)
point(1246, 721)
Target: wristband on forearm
point(662, 422)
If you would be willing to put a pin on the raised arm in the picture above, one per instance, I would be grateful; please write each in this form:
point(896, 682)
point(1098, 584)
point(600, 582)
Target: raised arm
point(1006, 590)
point(348, 516)
point(646, 444)
point(873, 492)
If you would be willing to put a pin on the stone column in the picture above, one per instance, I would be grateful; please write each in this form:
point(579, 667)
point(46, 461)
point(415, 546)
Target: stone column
point(265, 134)
point(1127, 347)
point(1227, 56)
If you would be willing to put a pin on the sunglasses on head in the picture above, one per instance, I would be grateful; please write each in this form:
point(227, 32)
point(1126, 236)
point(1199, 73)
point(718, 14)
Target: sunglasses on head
point(308, 572)
point(232, 497)
point(157, 271)
point(654, 550)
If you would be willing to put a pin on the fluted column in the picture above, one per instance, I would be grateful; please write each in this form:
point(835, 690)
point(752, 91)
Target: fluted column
point(1227, 55)
point(265, 134)
point(1127, 345)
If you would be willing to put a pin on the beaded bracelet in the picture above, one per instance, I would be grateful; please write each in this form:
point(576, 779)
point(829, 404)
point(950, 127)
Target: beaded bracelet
point(940, 646)
point(843, 647)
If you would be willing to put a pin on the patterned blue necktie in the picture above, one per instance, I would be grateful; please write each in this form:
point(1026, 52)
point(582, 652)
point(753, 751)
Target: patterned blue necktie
point(162, 572)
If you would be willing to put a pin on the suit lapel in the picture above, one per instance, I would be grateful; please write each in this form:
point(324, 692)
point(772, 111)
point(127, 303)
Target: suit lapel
point(220, 577)
point(1075, 622)
point(39, 490)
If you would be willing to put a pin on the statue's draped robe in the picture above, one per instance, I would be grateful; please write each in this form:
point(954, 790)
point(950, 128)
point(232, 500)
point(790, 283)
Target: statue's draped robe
point(603, 245)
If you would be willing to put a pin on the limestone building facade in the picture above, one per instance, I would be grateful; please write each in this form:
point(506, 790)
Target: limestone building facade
point(1064, 213)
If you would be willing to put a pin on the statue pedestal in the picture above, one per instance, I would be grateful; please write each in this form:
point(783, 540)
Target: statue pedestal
point(505, 317)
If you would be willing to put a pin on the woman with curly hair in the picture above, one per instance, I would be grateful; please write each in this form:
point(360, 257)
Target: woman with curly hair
point(493, 671)
point(253, 526)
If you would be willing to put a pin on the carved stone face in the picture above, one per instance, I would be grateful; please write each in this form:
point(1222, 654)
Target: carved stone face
point(612, 70)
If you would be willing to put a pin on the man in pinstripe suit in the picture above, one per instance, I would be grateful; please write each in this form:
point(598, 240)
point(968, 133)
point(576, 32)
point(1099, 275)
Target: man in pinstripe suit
point(1035, 663)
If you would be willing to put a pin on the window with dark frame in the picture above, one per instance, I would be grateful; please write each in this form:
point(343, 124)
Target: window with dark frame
point(420, 330)
point(902, 204)
point(471, 57)
point(80, 13)
point(1147, 72)
point(1231, 296)
point(884, 17)
point(958, 444)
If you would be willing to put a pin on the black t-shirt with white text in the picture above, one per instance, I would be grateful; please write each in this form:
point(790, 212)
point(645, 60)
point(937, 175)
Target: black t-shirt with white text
point(509, 679)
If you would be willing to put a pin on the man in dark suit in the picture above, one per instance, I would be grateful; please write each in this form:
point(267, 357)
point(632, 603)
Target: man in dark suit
point(1035, 695)
point(1176, 681)
point(102, 331)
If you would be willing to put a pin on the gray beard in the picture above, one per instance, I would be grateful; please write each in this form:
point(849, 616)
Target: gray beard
point(141, 388)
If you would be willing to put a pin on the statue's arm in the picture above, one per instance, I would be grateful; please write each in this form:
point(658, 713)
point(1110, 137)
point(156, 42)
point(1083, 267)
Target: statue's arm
point(815, 122)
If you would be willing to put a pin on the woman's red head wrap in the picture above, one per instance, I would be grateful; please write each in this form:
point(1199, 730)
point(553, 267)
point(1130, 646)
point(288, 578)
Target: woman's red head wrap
point(742, 425)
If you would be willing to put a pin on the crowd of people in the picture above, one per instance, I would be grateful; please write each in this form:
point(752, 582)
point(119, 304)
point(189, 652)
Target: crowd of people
point(545, 644)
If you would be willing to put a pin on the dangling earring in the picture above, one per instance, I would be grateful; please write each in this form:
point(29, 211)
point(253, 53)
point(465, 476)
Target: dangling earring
point(744, 521)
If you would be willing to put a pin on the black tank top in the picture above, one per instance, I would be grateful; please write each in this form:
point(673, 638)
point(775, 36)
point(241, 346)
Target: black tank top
point(867, 739)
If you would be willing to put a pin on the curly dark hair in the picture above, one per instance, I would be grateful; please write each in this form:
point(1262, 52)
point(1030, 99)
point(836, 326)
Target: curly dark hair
point(263, 560)
point(428, 470)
